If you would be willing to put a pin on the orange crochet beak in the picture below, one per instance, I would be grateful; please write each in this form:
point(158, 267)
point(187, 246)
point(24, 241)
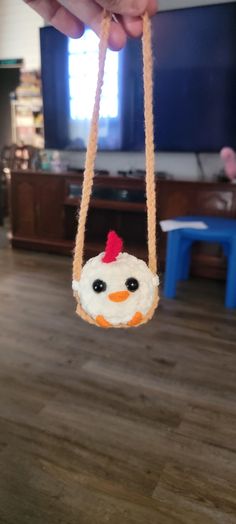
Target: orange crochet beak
point(120, 296)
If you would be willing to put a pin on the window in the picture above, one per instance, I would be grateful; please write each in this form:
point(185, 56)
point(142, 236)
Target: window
point(83, 70)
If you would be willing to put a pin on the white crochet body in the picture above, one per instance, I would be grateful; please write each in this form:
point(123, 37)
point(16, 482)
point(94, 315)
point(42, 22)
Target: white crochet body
point(115, 275)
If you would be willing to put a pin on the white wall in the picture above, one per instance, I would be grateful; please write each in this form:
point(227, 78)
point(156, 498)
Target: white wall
point(19, 32)
point(182, 166)
point(177, 4)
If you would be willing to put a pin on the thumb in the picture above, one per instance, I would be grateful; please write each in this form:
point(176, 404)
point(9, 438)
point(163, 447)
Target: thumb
point(125, 7)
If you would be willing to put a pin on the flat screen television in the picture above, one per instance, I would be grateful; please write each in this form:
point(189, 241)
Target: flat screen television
point(194, 85)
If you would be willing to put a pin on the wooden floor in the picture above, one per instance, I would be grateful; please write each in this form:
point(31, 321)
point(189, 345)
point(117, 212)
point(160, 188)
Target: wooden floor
point(99, 427)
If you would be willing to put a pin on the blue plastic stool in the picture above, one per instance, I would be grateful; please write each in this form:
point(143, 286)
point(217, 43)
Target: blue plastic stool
point(220, 230)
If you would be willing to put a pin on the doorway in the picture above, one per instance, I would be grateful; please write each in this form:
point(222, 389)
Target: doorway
point(9, 80)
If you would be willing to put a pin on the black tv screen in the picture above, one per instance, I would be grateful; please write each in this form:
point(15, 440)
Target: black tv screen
point(194, 85)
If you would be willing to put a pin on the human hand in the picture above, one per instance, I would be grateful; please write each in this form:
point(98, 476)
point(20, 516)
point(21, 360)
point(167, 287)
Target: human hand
point(70, 16)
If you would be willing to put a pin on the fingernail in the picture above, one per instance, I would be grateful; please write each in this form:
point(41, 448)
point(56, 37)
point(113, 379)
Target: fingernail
point(115, 19)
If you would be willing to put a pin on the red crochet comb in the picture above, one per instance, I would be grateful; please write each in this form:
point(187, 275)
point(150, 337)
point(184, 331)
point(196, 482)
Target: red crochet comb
point(114, 246)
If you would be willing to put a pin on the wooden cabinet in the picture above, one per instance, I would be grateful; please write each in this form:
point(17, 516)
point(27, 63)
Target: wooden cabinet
point(37, 212)
point(44, 213)
point(196, 198)
point(50, 211)
point(24, 207)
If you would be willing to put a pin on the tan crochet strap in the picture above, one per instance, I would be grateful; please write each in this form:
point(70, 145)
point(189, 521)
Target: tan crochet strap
point(92, 147)
point(91, 151)
point(149, 143)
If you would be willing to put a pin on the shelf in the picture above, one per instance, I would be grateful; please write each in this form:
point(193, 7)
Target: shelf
point(34, 103)
point(109, 204)
point(41, 126)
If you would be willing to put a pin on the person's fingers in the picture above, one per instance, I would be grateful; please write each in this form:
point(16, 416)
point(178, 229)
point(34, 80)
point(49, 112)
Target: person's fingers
point(134, 25)
point(118, 37)
point(69, 16)
point(91, 14)
point(125, 7)
point(152, 7)
point(58, 16)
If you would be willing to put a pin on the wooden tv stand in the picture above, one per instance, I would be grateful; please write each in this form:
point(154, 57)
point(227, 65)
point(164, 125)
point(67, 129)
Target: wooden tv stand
point(44, 209)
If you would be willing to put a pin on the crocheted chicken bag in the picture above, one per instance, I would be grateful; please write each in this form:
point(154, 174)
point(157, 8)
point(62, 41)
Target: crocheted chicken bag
point(116, 289)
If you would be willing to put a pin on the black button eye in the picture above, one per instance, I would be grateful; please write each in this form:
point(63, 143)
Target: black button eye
point(132, 284)
point(99, 286)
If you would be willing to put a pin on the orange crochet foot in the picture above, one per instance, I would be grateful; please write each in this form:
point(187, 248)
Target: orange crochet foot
point(102, 322)
point(136, 320)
